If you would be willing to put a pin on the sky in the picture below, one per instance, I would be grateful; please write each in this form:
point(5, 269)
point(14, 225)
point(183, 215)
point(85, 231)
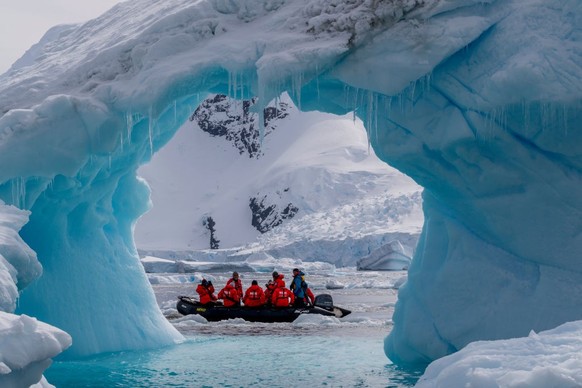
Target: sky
point(24, 22)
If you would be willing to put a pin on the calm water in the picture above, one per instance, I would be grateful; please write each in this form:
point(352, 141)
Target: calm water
point(316, 351)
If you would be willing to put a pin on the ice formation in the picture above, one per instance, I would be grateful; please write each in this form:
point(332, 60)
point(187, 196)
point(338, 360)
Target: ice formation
point(26, 349)
point(547, 359)
point(479, 101)
point(389, 257)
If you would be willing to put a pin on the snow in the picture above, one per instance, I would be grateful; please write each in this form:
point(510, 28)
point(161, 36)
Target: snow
point(479, 102)
point(26, 349)
point(320, 163)
point(549, 358)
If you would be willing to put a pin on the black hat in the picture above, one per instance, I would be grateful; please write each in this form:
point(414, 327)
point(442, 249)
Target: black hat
point(275, 274)
point(204, 282)
point(295, 269)
point(254, 283)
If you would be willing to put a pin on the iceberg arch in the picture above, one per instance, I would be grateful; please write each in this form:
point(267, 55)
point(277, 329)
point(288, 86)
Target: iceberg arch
point(478, 101)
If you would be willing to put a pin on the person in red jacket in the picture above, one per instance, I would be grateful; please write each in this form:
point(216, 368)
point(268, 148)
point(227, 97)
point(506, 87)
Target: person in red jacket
point(254, 297)
point(282, 297)
point(274, 284)
point(229, 296)
point(236, 283)
point(310, 298)
point(206, 292)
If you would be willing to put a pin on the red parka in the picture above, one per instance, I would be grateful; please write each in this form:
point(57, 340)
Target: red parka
point(282, 297)
point(273, 285)
point(310, 296)
point(237, 284)
point(206, 293)
point(229, 296)
point(254, 297)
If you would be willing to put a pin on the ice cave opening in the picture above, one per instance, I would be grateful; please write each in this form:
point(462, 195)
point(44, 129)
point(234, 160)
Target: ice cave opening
point(456, 97)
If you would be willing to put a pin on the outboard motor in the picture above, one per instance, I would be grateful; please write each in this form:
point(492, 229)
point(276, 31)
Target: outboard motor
point(324, 301)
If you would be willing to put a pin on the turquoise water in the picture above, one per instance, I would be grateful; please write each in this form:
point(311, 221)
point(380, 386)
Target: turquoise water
point(318, 352)
point(241, 361)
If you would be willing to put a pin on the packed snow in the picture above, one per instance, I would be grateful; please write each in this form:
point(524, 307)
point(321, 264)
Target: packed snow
point(478, 101)
point(551, 358)
point(26, 349)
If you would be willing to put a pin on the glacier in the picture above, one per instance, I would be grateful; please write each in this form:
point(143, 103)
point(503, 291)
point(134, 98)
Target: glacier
point(478, 101)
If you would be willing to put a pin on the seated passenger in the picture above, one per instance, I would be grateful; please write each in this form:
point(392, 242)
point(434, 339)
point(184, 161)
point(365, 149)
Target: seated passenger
point(206, 292)
point(282, 297)
point(236, 283)
point(229, 296)
point(274, 284)
point(254, 297)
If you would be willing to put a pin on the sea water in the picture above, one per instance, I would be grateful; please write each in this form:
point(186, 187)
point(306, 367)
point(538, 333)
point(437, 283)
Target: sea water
point(312, 351)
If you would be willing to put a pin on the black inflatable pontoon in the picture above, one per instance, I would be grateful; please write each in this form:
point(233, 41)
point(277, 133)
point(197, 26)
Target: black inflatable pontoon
point(323, 306)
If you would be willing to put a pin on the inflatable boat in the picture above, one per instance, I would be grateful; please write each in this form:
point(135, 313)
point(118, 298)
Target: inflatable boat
point(323, 305)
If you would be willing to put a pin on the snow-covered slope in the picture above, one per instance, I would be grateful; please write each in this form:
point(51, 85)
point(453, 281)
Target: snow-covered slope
point(478, 101)
point(320, 165)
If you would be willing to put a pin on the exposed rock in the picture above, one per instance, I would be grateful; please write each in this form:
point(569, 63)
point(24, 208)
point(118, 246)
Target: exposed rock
point(233, 119)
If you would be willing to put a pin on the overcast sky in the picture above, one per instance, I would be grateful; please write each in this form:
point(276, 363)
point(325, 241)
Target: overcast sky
point(24, 22)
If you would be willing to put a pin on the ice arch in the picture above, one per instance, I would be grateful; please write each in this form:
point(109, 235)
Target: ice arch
point(479, 101)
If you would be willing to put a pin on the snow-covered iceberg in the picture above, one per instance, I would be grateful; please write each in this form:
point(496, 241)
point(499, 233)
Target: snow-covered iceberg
point(389, 257)
point(478, 101)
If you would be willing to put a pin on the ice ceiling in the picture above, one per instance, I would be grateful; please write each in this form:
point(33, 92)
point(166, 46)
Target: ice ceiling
point(478, 101)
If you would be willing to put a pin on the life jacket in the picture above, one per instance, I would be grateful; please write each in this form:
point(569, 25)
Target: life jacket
point(254, 297)
point(206, 294)
point(237, 284)
point(279, 282)
point(273, 285)
point(282, 297)
point(230, 296)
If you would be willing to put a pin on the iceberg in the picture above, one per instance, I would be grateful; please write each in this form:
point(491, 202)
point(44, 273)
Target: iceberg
point(389, 257)
point(546, 359)
point(478, 101)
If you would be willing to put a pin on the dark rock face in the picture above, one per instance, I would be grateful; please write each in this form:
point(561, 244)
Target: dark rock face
point(209, 224)
point(267, 215)
point(233, 119)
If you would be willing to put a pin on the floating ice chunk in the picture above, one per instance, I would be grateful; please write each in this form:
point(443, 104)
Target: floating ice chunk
point(26, 349)
point(548, 359)
point(399, 282)
point(389, 257)
point(334, 285)
point(315, 319)
point(157, 265)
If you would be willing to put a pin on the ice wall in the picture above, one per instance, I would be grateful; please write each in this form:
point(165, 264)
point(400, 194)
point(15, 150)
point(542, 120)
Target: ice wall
point(478, 101)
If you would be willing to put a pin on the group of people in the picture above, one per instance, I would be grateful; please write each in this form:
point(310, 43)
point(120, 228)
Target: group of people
point(275, 294)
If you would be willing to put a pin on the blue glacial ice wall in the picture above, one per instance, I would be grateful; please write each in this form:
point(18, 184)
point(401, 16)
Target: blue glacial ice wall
point(478, 101)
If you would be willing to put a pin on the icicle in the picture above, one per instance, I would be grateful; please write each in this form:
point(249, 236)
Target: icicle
point(109, 161)
point(317, 81)
point(18, 186)
point(296, 84)
point(129, 121)
point(175, 112)
point(151, 131)
point(260, 101)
